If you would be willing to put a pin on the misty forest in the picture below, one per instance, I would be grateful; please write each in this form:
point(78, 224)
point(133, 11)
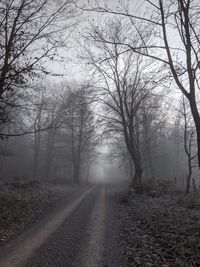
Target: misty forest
point(100, 133)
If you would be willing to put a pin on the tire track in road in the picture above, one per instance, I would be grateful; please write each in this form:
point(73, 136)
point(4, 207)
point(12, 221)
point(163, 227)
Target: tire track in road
point(18, 256)
point(92, 252)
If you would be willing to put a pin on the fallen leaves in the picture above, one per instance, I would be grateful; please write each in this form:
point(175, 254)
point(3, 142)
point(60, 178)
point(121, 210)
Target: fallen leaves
point(158, 232)
point(21, 205)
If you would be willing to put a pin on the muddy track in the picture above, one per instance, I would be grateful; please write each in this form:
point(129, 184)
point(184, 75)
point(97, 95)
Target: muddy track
point(78, 234)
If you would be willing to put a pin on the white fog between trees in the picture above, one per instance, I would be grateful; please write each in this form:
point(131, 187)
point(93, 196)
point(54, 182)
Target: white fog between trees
point(89, 87)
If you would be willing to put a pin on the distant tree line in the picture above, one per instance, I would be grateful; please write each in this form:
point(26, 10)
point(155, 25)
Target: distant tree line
point(142, 96)
point(140, 56)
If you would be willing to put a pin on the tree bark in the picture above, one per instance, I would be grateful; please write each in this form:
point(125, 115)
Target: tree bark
point(49, 150)
point(188, 183)
point(77, 173)
point(137, 179)
point(36, 154)
point(196, 117)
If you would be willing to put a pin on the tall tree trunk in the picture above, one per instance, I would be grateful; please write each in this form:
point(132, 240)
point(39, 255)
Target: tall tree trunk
point(77, 173)
point(88, 171)
point(49, 151)
point(188, 147)
point(137, 179)
point(188, 182)
point(48, 164)
point(147, 146)
point(148, 155)
point(36, 153)
point(196, 117)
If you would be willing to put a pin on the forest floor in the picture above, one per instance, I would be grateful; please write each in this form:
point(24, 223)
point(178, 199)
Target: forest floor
point(160, 232)
point(21, 204)
point(83, 232)
point(127, 230)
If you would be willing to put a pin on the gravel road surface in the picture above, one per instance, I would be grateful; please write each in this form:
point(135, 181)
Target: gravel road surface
point(83, 233)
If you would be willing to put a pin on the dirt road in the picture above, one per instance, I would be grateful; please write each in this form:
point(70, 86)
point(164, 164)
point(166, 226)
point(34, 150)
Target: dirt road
point(82, 233)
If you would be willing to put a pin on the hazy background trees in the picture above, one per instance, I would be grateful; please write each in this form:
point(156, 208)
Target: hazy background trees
point(68, 142)
point(79, 119)
point(165, 32)
point(130, 100)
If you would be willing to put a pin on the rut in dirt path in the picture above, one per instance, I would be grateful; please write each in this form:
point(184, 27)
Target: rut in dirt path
point(18, 256)
point(81, 234)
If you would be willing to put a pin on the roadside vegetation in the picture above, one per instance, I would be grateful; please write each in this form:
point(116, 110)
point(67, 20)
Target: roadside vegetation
point(160, 230)
point(22, 204)
point(94, 88)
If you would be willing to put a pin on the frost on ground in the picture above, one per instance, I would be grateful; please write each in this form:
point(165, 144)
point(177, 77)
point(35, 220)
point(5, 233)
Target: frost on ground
point(162, 231)
point(22, 204)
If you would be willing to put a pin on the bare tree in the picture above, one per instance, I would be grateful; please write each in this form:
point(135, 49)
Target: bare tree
point(32, 32)
point(36, 120)
point(44, 118)
point(189, 135)
point(178, 54)
point(123, 86)
point(119, 151)
point(80, 124)
point(54, 103)
point(38, 123)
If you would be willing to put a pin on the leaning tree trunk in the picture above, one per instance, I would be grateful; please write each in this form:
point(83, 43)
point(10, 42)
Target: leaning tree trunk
point(137, 179)
point(133, 149)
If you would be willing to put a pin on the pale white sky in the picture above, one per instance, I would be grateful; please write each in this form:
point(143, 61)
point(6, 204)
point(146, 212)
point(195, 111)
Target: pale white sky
point(73, 68)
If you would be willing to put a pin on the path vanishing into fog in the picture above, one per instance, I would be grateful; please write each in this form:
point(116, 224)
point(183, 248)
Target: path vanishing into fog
point(81, 233)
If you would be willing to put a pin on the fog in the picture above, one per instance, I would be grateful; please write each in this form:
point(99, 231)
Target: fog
point(99, 133)
point(83, 102)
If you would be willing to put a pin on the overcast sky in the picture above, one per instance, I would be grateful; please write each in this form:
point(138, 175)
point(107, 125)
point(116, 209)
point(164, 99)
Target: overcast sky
point(73, 68)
